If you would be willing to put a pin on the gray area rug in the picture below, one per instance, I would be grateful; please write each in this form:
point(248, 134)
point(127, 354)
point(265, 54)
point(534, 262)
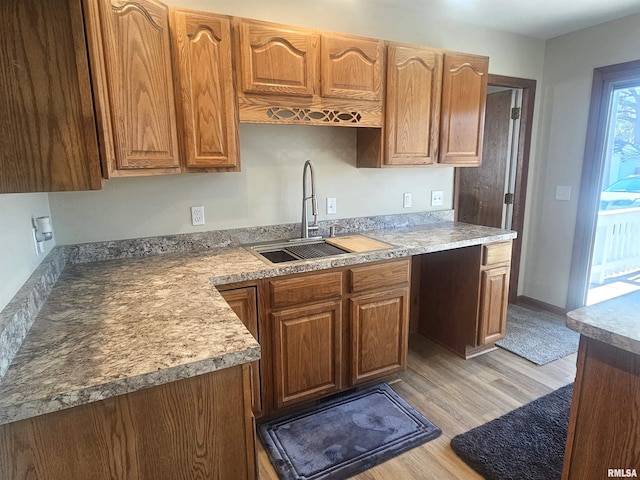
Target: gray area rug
point(345, 436)
point(525, 444)
point(538, 336)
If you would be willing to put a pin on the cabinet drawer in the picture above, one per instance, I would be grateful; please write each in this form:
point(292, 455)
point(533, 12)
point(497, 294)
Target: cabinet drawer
point(381, 275)
point(305, 289)
point(496, 253)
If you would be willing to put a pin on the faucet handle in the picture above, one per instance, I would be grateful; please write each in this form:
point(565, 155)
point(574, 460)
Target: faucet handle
point(332, 231)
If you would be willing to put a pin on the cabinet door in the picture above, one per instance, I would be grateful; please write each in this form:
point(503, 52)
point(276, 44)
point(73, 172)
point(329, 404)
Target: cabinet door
point(243, 301)
point(48, 136)
point(494, 298)
point(351, 67)
point(379, 336)
point(414, 80)
point(307, 345)
point(464, 96)
point(207, 98)
point(197, 427)
point(130, 46)
point(278, 60)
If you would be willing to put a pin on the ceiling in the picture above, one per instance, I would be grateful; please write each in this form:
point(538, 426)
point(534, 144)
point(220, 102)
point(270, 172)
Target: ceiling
point(542, 19)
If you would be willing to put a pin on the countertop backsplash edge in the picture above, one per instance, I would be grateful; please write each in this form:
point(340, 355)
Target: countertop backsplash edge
point(202, 241)
point(20, 313)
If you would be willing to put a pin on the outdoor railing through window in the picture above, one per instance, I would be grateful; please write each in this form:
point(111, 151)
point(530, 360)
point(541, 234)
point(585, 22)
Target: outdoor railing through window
point(617, 247)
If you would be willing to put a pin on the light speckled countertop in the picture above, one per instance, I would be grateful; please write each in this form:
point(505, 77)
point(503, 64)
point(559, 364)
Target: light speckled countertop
point(615, 321)
point(114, 327)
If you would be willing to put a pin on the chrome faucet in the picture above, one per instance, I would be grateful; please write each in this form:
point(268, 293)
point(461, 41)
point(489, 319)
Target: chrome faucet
point(314, 201)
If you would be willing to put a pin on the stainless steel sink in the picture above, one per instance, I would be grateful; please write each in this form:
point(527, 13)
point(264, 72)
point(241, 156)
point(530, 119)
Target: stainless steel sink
point(295, 250)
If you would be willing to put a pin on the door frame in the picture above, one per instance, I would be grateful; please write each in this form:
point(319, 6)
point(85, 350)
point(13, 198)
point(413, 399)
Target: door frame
point(522, 170)
point(592, 168)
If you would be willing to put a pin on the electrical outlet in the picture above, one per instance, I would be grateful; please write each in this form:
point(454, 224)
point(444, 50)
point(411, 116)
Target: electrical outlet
point(437, 198)
point(197, 215)
point(331, 206)
point(406, 200)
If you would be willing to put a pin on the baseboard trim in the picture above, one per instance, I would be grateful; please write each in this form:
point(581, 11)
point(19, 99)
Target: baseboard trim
point(539, 305)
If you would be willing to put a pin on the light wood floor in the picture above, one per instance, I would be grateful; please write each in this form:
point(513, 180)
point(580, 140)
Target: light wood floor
point(457, 395)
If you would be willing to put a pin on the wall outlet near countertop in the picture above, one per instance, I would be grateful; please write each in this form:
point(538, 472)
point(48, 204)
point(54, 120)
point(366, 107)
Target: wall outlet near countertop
point(406, 200)
point(437, 198)
point(197, 215)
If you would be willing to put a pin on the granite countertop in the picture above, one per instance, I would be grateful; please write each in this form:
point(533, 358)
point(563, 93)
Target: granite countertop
point(615, 321)
point(113, 327)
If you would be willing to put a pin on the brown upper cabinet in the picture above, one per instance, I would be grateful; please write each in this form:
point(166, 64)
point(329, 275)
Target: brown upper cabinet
point(435, 104)
point(464, 98)
point(303, 76)
point(207, 107)
point(277, 60)
point(351, 67)
point(414, 80)
point(129, 88)
point(129, 43)
point(100, 97)
point(48, 141)
point(162, 111)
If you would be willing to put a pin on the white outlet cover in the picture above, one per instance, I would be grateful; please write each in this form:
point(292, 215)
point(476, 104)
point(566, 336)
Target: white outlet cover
point(437, 198)
point(406, 200)
point(197, 215)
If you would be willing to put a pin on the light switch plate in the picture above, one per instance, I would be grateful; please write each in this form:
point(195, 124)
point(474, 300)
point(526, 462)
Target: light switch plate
point(563, 193)
point(331, 206)
point(406, 200)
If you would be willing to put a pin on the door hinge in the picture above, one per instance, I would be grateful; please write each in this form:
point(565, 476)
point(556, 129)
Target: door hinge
point(515, 113)
point(509, 198)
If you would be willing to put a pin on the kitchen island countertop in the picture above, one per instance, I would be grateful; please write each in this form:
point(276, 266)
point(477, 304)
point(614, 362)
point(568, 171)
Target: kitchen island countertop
point(615, 322)
point(113, 327)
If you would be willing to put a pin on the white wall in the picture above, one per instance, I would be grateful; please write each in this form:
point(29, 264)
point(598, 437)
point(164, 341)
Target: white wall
point(568, 74)
point(18, 258)
point(267, 191)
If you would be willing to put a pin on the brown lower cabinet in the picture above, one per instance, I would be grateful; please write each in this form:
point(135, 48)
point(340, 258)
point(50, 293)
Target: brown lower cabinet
point(464, 296)
point(379, 331)
point(308, 352)
point(199, 427)
point(244, 302)
point(327, 331)
point(494, 293)
point(324, 332)
point(336, 329)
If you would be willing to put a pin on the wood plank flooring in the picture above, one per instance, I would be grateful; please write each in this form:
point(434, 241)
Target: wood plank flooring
point(457, 395)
